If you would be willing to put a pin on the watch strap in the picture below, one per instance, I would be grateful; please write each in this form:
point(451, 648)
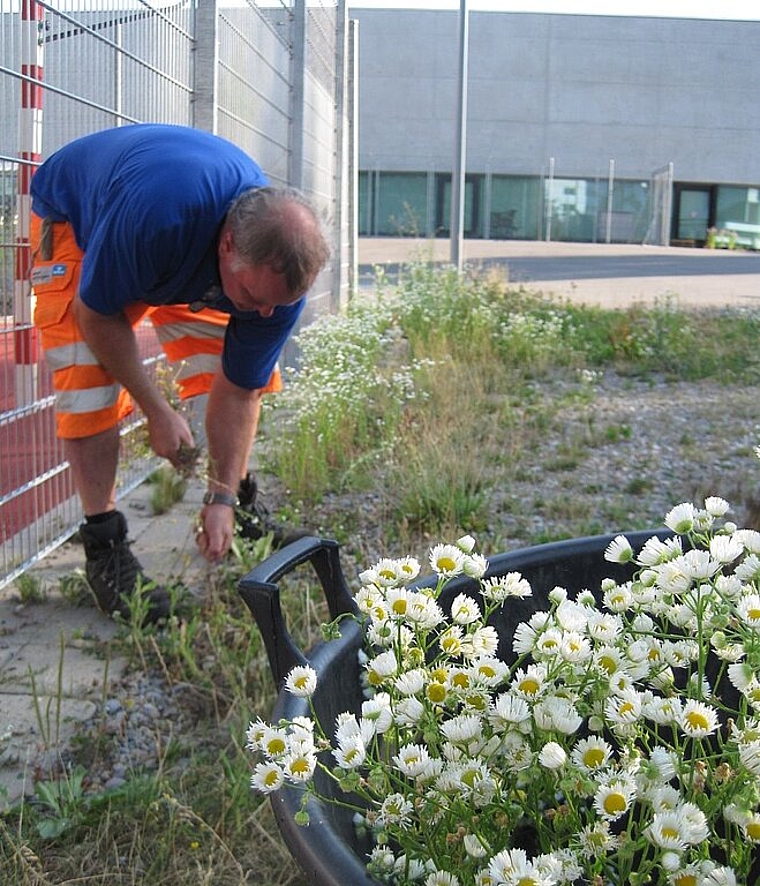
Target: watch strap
point(220, 498)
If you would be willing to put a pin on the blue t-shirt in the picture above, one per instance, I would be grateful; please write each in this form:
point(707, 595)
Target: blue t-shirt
point(147, 203)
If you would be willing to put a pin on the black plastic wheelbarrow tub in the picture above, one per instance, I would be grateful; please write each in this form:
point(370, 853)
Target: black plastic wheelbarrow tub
point(327, 849)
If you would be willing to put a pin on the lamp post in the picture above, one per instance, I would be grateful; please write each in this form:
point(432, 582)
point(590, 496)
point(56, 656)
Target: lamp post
point(458, 174)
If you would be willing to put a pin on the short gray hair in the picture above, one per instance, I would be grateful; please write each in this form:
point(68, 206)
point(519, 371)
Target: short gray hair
point(279, 227)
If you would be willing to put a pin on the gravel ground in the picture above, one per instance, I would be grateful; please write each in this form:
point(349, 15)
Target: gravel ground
point(618, 455)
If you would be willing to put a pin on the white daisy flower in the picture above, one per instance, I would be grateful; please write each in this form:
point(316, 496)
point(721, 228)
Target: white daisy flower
point(475, 565)
point(750, 539)
point(441, 878)
point(381, 667)
point(509, 712)
point(299, 767)
point(613, 798)
point(255, 732)
point(698, 720)
point(351, 752)
point(623, 709)
point(726, 548)
point(716, 506)
point(408, 711)
point(488, 670)
point(574, 648)
point(450, 641)
point(656, 551)
point(681, 518)
point(748, 609)
point(618, 598)
point(466, 544)
point(530, 682)
point(465, 610)
point(749, 569)
point(274, 742)
point(377, 711)
point(556, 713)
point(424, 612)
point(462, 728)
point(591, 754)
point(267, 778)
point(395, 809)
point(527, 633)
point(446, 560)
point(596, 840)
point(604, 627)
point(512, 584)
point(552, 756)
point(619, 550)
point(413, 760)
point(750, 825)
point(301, 681)
point(482, 641)
point(668, 831)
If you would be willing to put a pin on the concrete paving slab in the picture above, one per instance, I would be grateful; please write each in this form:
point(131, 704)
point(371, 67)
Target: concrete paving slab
point(53, 663)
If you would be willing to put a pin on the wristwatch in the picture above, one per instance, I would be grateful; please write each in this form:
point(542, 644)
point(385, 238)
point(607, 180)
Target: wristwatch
point(220, 498)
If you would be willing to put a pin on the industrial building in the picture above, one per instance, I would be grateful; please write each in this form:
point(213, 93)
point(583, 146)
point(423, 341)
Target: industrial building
point(578, 127)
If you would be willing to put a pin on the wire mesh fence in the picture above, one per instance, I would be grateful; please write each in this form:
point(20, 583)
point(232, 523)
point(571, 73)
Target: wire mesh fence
point(267, 77)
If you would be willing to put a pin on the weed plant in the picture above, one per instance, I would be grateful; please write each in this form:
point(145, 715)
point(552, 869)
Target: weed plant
point(425, 396)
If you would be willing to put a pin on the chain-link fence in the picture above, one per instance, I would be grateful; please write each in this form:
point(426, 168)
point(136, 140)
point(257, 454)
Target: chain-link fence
point(271, 78)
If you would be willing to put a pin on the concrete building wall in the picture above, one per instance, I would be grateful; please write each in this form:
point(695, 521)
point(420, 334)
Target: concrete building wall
point(582, 90)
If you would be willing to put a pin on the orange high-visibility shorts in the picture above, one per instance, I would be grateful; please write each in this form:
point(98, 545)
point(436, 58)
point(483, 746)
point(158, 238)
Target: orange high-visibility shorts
point(88, 399)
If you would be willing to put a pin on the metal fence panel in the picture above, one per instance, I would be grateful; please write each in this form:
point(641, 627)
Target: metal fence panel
point(78, 66)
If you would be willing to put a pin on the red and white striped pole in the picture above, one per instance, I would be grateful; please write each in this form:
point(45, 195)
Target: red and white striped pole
point(30, 154)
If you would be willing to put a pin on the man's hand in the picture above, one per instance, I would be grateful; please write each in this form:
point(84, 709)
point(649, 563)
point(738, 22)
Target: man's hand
point(214, 535)
point(112, 341)
point(170, 435)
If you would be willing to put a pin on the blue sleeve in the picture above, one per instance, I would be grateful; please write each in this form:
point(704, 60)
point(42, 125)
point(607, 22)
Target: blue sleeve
point(253, 343)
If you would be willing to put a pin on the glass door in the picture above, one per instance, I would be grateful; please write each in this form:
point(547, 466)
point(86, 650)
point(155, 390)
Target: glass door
point(693, 218)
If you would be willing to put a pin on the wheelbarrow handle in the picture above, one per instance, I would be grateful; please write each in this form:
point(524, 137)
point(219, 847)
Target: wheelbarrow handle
point(261, 594)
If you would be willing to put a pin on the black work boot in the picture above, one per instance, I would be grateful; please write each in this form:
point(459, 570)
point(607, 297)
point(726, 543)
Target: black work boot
point(254, 520)
point(114, 573)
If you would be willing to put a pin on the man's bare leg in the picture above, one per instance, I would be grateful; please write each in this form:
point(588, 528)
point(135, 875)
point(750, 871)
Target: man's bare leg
point(94, 461)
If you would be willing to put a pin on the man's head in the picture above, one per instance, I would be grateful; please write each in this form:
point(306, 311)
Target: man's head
point(271, 249)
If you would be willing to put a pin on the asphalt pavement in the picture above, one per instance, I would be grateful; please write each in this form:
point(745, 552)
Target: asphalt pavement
point(49, 681)
point(611, 275)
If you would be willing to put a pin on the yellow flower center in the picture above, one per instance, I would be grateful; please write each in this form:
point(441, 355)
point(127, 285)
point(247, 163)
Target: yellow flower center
point(697, 720)
point(614, 803)
point(753, 830)
point(436, 692)
point(399, 606)
point(270, 778)
point(685, 880)
point(446, 564)
point(670, 833)
point(753, 614)
point(275, 746)
point(530, 686)
point(593, 757)
point(299, 765)
point(608, 663)
point(626, 708)
point(461, 681)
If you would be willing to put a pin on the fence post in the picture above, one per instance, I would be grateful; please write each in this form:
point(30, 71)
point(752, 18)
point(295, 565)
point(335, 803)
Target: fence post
point(30, 154)
point(298, 76)
point(206, 66)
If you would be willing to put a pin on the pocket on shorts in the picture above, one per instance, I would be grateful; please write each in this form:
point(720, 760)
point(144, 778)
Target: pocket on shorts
point(52, 283)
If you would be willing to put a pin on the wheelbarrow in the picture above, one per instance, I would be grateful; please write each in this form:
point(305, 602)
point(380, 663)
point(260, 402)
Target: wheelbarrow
point(328, 849)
